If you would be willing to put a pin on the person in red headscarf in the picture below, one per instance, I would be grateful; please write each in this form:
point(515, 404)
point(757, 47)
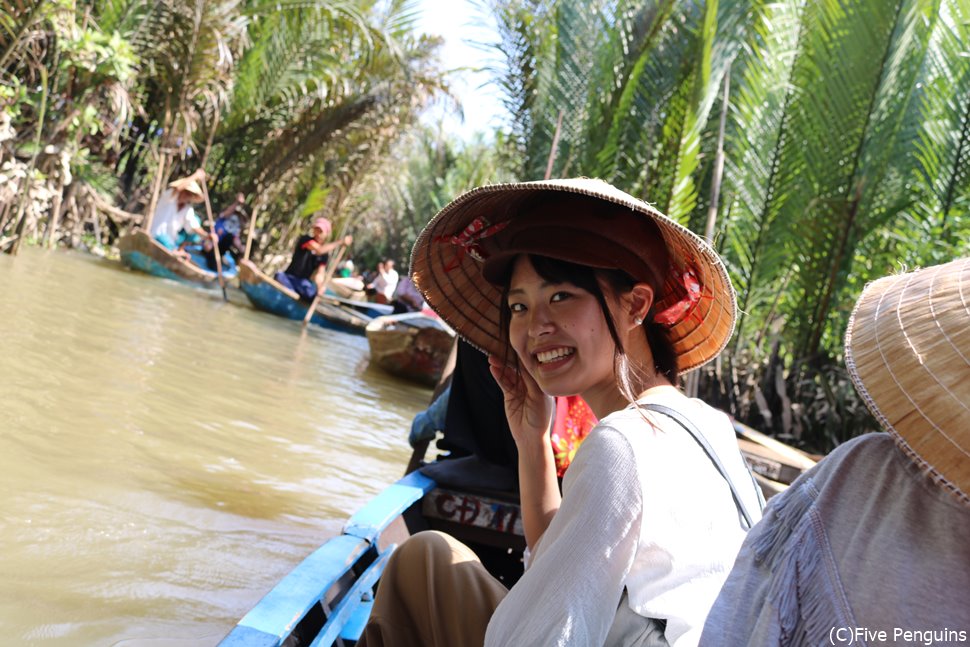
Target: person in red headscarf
point(305, 272)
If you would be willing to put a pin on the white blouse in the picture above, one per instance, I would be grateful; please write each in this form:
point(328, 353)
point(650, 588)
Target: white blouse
point(645, 510)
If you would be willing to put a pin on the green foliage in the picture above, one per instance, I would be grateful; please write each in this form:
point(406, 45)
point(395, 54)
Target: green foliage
point(290, 101)
point(96, 58)
point(419, 177)
point(846, 143)
point(846, 156)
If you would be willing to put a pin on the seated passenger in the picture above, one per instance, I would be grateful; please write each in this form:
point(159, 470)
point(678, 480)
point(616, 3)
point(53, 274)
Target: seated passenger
point(228, 229)
point(346, 284)
point(407, 298)
point(381, 288)
point(307, 267)
point(871, 545)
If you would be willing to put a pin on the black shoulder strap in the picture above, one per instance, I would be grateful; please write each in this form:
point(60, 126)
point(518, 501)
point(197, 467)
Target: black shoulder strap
point(692, 429)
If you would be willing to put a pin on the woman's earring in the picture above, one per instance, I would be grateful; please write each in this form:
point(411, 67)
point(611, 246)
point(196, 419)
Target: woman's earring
point(638, 321)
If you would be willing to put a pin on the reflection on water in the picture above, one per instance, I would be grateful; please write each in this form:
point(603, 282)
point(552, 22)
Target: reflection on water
point(165, 457)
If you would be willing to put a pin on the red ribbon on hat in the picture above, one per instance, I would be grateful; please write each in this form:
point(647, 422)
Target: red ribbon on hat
point(467, 241)
point(693, 292)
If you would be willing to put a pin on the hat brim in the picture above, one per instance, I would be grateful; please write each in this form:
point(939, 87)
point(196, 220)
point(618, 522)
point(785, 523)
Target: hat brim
point(907, 350)
point(453, 284)
point(188, 185)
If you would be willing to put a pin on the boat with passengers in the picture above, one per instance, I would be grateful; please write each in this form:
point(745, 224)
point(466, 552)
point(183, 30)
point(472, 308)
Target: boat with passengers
point(269, 295)
point(141, 252)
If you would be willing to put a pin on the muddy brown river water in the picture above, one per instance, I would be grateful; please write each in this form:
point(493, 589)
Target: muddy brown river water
point(166, 457)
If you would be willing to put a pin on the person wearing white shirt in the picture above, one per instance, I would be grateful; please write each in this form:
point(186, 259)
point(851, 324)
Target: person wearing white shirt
point(175, 224)
point(385, 282)
point(573, 287)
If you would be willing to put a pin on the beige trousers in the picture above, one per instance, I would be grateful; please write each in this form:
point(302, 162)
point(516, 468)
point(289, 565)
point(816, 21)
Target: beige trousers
point(434, 593)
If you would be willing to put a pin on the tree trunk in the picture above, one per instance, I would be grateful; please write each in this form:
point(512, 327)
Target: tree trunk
point(25, 193)
point(51, 232)
point(21, 220)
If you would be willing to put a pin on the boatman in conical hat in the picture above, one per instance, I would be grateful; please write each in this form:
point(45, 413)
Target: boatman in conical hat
point(175, 224)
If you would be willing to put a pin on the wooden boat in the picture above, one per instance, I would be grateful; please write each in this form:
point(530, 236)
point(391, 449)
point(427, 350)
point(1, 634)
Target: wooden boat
point(267, 294)
point(413, 345)
point(141, 252)
point(369, 308)
point(348, 288)
point(327, 598)
point(774, 464)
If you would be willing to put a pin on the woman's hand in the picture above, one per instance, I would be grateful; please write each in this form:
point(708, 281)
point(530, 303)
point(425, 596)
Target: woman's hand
point(528, 409)
point(529, 412)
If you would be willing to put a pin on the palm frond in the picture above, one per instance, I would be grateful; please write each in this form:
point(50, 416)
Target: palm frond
point(754, 182)
point(859, 64)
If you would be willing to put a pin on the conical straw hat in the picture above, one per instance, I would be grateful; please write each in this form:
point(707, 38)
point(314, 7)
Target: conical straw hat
point(189, 185)
point(907, 349)
point(491, 221)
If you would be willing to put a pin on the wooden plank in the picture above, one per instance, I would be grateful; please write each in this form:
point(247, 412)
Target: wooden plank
point(283, 607)
point(360, 592)
point(786, 454)
point(386, 506)
point(767, 463)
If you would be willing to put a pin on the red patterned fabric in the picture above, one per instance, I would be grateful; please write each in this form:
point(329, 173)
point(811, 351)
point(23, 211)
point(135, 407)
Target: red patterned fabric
point(574, 420)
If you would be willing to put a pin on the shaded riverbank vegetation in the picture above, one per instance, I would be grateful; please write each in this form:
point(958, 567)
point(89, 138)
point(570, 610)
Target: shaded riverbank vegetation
point(291, 103)
point(819, 145)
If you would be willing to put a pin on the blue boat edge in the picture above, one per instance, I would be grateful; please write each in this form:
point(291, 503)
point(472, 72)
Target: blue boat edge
point(330, 593)
point(265, 294)
point(141, 252)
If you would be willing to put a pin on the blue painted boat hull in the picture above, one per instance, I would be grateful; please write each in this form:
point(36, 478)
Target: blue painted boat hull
point(284, 608)
point(141, 252)
point(329, 595)
point(269, 296)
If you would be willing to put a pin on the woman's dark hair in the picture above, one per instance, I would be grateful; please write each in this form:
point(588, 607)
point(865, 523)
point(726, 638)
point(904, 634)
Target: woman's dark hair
point(587, 278)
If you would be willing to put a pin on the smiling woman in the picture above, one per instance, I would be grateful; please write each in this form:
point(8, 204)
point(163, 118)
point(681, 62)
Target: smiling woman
point(562, 324)
point(574, 287)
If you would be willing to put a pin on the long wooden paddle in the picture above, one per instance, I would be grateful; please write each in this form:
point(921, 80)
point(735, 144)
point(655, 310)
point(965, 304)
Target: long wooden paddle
point(327, 275)
point(215, 240)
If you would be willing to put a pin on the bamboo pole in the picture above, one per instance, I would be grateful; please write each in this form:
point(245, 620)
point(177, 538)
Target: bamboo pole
point(214, 240)
point(252, 227)
point(156, 190)
point(162, 171)
point(718, 163)
point(212, 135)
point(692, 382)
